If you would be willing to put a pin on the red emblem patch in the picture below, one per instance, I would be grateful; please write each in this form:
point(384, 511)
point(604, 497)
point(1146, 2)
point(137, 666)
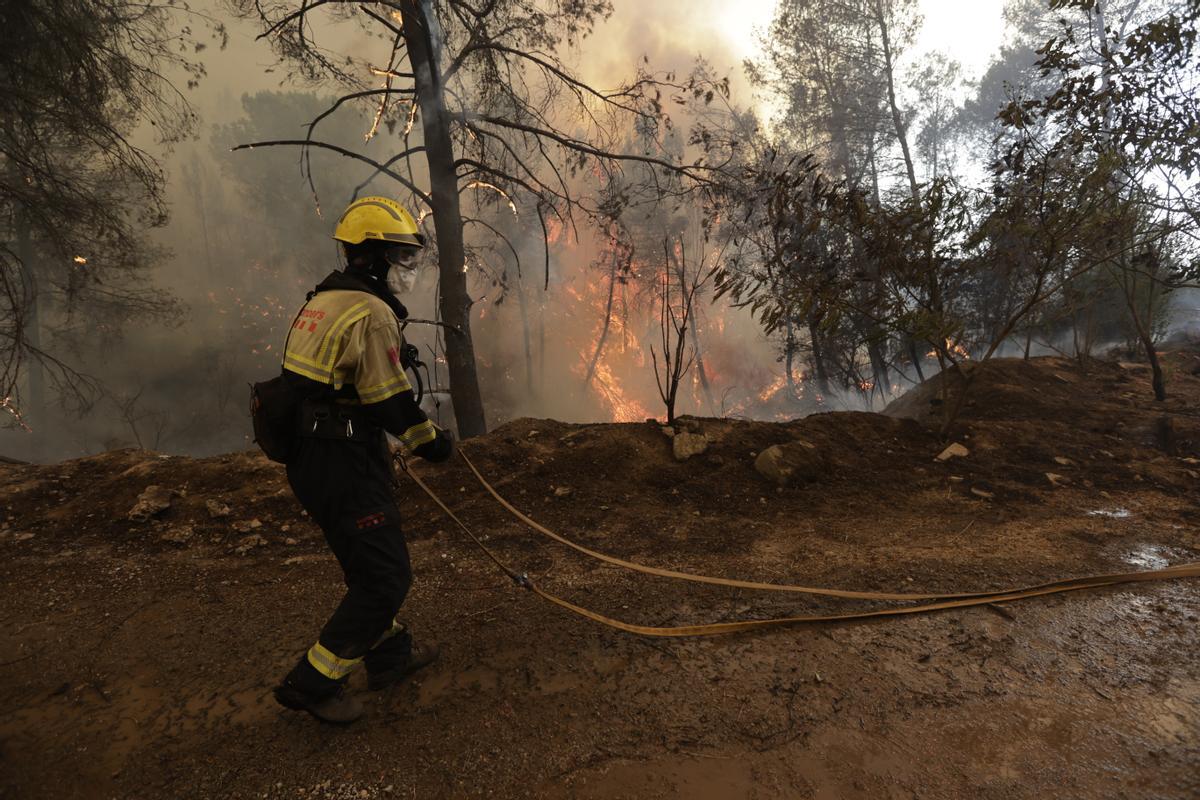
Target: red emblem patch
point(394, 356)
point(370, 521)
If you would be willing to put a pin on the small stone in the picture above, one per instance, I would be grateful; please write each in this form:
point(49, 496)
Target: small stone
point(23, 537)
point(216, 509)
point(984, 493)
point(1062, 461)
point(954, 450)
point(684, 445)
point(249, 543)
point(1056, 479)
point(290, 541)
point(179, 534)
point(797, 461)
point(668, 431)
point(150, 503)
point(562, 491)
point(956, 479)
point(245, 526)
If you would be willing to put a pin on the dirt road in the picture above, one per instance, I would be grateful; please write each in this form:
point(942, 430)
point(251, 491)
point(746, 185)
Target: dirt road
point(138, 656)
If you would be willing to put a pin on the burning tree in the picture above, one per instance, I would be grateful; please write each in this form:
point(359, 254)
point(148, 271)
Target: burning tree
point(501, 118)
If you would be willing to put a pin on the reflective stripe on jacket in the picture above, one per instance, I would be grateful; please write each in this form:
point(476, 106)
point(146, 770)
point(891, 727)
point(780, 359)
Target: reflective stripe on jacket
point(347, 338)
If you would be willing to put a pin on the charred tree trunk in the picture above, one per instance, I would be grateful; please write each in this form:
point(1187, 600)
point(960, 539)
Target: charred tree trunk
point(612, 288)
point(789, 358)
point(915, 355)
point(523, 305)
point(422, 39)
point(818, 355)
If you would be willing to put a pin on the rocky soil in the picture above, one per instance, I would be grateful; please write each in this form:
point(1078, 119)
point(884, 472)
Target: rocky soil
point(151, 602)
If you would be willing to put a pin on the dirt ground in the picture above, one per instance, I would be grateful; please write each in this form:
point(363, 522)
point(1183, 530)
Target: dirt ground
point(137, 657)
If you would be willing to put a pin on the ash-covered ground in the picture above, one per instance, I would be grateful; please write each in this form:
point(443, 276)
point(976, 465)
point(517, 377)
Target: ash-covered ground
point(138, 653)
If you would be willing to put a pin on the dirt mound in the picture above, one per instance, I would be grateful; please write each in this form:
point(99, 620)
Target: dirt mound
point(152, 602)
point(1099, 397)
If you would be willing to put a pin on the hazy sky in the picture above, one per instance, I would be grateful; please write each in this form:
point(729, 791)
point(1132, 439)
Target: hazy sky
point(671, 32)
point(967, 31)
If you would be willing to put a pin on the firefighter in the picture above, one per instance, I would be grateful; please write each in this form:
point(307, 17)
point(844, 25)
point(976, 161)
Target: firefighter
point(343, 357)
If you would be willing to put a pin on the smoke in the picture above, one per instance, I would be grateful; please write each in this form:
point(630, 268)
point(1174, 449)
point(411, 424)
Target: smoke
point(248, 239)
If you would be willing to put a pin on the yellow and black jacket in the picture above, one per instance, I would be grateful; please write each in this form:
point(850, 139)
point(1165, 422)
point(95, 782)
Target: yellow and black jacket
point(345, 346)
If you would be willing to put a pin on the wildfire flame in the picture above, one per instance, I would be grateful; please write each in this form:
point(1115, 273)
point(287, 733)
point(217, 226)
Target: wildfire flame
point(951, 347)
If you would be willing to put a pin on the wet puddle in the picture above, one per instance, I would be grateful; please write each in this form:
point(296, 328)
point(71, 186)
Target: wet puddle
point(1149, 556)
point(1111, 513)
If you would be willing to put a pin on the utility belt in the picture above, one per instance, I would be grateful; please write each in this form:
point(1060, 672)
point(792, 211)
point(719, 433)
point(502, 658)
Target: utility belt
point(326, 420)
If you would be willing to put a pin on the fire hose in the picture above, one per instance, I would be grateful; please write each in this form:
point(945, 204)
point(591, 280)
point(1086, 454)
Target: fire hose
point(943, 601)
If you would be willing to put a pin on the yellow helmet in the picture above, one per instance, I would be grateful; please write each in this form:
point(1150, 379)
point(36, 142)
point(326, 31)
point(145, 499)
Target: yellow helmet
point(379, 218)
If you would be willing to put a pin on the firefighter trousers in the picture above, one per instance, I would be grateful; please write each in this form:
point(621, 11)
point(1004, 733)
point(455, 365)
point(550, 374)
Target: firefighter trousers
point(346, 488)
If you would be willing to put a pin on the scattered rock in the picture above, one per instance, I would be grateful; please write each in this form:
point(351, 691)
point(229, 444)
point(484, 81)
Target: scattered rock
point(290, 541)
point(795, 462)
point(1062, 461)
point(954, 450)
point(151, 503)
point(179, 534)
point(243, 525)
point(216, 509)
point(562, 491)
point(1056, 479)
point(956, 479)
point(668, 431)
point(249, 543)
point(22, 537)
point(685, 445)
point(984, 493)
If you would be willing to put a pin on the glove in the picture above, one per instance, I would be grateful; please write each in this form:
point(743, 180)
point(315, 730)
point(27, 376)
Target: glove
point(440, 449)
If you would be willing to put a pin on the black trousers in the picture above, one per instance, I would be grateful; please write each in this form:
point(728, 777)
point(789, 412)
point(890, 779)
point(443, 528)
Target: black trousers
point(346, 488)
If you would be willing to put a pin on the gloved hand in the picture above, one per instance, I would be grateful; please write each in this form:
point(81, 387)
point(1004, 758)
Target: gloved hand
point(440, 449)
point(448, 438)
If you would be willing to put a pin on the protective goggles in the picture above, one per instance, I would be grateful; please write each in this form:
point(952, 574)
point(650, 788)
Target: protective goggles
point(403, 256)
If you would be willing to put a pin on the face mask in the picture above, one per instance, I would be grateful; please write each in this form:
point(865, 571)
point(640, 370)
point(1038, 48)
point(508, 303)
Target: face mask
point(400, 280)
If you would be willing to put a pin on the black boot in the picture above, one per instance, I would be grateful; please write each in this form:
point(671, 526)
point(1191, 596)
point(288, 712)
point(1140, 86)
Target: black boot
point(388, 666)
point(336, 708)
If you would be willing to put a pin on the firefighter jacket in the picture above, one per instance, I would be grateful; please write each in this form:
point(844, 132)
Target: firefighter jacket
point(345, 347)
